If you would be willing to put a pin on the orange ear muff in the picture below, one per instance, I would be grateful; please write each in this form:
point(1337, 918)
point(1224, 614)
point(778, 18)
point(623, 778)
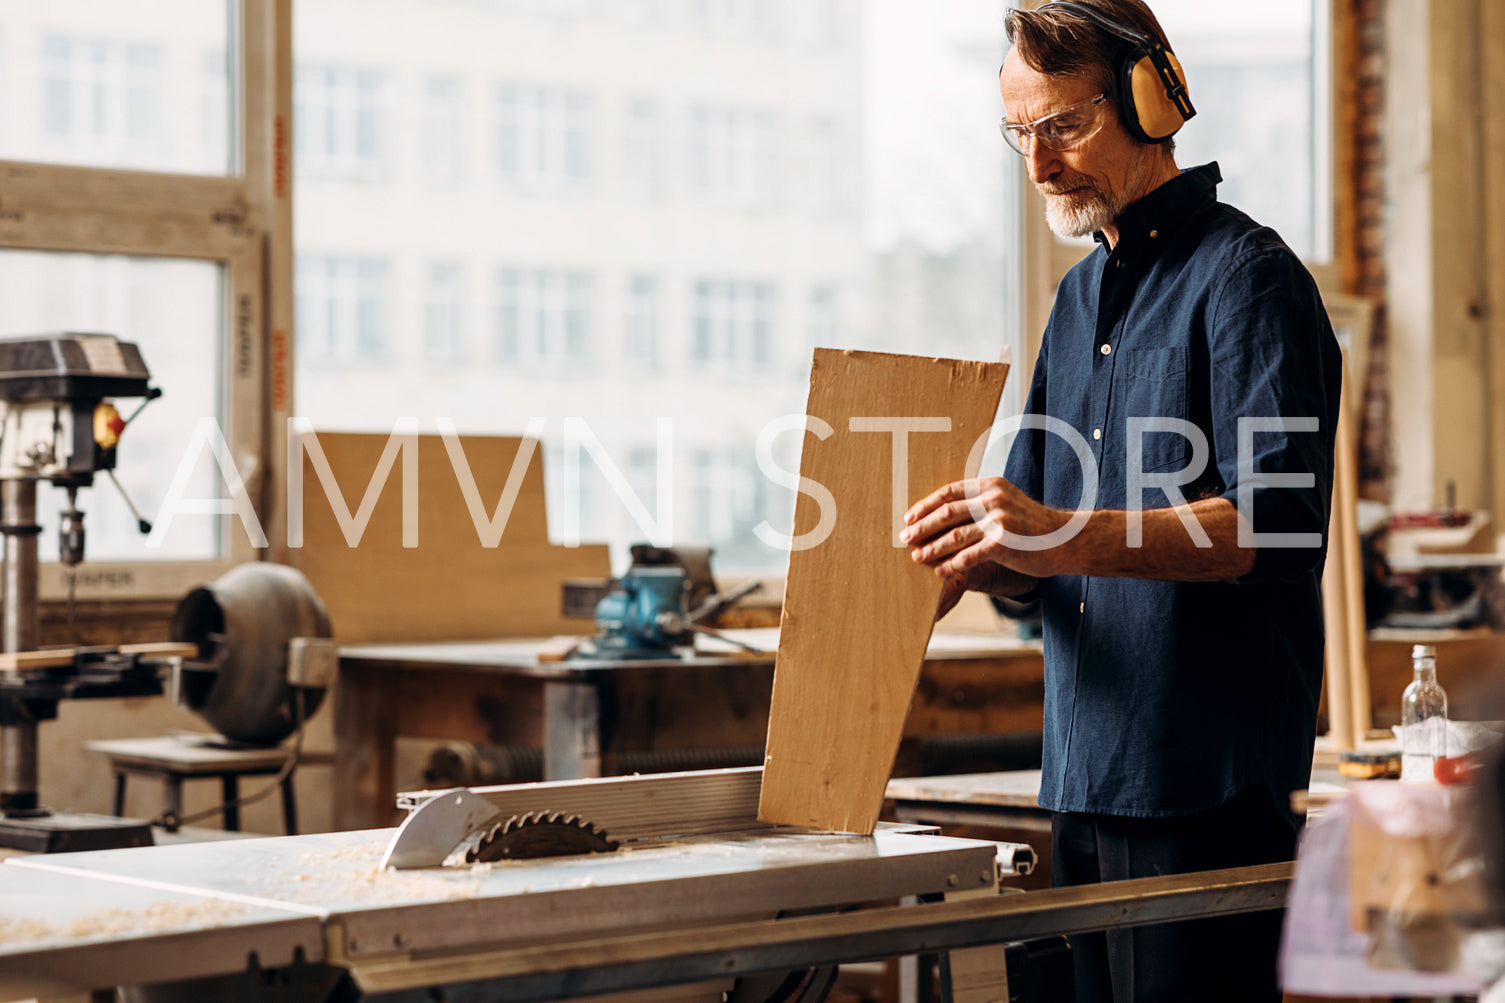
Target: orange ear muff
point(1156, 114)
point(1151, 86)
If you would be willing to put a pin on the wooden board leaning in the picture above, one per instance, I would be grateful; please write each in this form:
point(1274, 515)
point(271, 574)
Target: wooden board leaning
point(858, 611)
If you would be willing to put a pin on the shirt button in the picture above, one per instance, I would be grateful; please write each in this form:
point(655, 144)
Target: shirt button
point(1154, 234)
point(1097, 433)
point(1106, 349)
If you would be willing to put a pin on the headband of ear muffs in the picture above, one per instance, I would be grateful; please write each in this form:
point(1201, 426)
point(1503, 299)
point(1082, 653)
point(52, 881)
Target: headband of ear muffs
point(1151, 89)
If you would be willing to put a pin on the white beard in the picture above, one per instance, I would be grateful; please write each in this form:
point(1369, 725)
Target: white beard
point(1087, 210)
point(1079, 214)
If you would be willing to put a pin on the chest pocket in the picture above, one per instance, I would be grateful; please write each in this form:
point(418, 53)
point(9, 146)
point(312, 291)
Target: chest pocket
point(1156, 387)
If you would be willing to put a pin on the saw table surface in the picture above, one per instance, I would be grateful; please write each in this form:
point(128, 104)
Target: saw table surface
point(85, 921)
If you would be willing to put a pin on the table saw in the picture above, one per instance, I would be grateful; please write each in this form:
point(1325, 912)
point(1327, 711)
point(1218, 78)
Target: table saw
point(321, 910)
point(708, 904)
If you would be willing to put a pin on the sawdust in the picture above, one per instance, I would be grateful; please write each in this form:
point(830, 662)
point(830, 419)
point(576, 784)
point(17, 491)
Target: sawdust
point(353, 873)
point(158, 917)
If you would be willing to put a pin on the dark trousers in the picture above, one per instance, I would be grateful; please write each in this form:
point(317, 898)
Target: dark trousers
point(1229, 959)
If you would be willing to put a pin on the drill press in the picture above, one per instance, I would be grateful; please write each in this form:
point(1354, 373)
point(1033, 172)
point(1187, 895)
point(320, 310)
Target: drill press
point(56, 424)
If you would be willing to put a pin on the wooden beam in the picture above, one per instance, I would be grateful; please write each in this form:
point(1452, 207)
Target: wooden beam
point(1350, 567)
point(1491, 91)
point(858, 611)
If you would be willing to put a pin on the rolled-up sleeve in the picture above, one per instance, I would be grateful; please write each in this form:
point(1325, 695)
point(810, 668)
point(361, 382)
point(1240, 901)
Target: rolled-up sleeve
point(1275, 387)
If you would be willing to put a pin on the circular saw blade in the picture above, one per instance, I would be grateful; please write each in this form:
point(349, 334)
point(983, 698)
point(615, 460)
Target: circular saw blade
point(534, 835)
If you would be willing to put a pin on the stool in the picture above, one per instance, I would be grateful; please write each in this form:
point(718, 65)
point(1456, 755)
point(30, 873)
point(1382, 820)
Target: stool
point(175, 758)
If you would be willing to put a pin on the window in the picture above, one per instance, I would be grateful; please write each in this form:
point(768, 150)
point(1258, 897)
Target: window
point(642, 475)
point(156, 230)
point(1259, 79)
point(733, 324)
point(214, 139)
point(101, 95)
point(541, 136)
point(343, 309)
point(441, 314)
point(647, 249)
point(642, 150)
point(543, 316)
point(823, 21)
point(641, 344)
point(640, 13)
point(733, 17)
point(572, 486)
point(734, 156)
point(163, 306)
point(722, 487)
point(823, 170)
point(821, 321)
point(442, 149)
point(339, 120)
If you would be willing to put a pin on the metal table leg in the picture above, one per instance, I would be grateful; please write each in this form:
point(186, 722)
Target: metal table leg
point(572, 731)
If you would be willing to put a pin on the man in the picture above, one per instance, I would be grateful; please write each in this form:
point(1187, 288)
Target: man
point(1183, 642)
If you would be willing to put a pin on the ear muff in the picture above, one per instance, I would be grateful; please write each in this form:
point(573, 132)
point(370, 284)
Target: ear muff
point(1151, 86)
point(1150, 108)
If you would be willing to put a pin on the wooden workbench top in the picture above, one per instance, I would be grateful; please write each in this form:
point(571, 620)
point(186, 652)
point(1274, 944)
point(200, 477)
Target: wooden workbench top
point(524, 653)
point(1005, 789)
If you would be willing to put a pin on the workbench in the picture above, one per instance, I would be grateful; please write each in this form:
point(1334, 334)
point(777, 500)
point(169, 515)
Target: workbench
point(583, 713)
point(1005, 798)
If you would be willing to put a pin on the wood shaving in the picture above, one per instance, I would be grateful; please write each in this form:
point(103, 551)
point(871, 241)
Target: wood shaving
point(155, 918)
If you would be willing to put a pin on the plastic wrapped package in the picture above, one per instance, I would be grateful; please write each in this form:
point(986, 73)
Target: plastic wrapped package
point(1388, 897)
point(1415, 874)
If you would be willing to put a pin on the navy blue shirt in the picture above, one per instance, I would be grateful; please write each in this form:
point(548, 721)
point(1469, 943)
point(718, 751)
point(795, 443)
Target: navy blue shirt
point(1164, 698)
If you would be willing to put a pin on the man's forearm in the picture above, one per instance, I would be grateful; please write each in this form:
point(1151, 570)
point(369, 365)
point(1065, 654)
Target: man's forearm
point(1166, 550)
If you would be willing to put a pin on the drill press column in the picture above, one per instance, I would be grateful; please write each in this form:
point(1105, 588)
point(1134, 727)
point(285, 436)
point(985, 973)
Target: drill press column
point(18, 632)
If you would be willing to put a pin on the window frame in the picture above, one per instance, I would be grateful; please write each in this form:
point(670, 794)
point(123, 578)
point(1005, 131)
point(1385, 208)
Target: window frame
point(241, 221)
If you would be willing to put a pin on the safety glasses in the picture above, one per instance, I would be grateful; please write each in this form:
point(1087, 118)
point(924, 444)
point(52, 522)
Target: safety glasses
point(1059, 131)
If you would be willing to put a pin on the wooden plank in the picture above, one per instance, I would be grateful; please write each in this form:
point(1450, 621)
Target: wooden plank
point(1004, 789)
point(979, 974)
point(20, 661)
point(858, 612)
point(1491, 95)
point(52, 658)
point(451, 585)
point(1337, 677)
point(161, 649)
point(1342, 677)
point(1351, 568)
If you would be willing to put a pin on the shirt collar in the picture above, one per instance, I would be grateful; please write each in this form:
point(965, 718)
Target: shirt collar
point(1160, 213)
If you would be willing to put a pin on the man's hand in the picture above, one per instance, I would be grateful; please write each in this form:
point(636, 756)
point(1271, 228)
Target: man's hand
point(958, 531)
point(992, 579)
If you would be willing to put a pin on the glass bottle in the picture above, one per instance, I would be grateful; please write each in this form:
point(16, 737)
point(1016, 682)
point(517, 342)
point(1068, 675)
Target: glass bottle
point(1423, 718)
